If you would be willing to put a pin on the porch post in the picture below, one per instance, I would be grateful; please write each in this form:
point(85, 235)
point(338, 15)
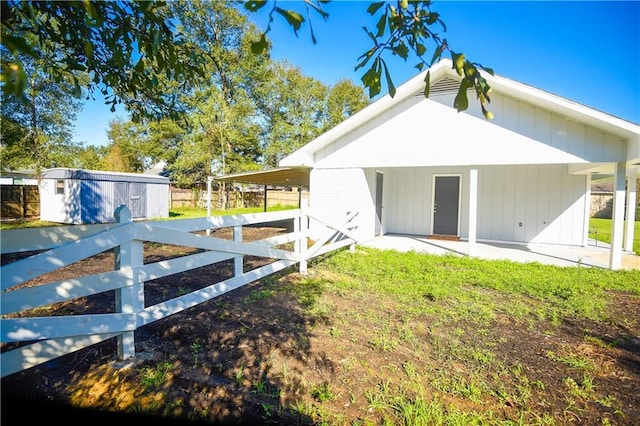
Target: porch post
point(631, 210)
point(587, 211)
point(617, 222)
point(473, 210)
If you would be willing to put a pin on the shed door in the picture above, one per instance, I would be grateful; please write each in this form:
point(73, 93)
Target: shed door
point(121, 194)
point(138, 204)
point(446, 203)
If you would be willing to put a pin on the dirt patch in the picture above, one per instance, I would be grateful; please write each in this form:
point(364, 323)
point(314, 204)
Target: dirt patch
point(303, 350)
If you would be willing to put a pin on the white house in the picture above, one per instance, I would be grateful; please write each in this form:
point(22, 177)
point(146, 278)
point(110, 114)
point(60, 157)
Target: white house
point(410, 165)
point(78, 196)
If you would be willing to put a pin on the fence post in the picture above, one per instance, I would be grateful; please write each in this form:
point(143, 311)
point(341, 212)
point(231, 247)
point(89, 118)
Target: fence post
point(237, 261)
point(129, 299)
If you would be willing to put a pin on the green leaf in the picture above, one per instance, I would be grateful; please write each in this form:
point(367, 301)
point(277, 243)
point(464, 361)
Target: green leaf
point(370, 34)
point(374, 7)
point(427, 84)
point(254, 5)
point(259, 46)
point(367, 55)
point(371, 79)
point(433, 17)
point(438, 53)
point(489, 70)
point(382, 24)
point(420, 49)
point(387, 75)
point(458, 62)
point(401, 50)
point(88, 49)
point(461, 102)
point(293, 18)
point(17, 44)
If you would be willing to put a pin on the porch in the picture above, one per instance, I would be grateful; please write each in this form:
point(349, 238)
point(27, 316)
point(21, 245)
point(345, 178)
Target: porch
point(595, 254)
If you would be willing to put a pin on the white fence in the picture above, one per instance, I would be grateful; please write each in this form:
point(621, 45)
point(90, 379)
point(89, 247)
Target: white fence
point(42, 338)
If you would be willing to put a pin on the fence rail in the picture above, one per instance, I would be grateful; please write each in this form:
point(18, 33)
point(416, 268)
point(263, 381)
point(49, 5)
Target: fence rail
point(42, 338)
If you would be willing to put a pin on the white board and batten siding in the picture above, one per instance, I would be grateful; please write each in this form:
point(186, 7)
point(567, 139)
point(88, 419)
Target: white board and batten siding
point(532, 204)
point(430, 133)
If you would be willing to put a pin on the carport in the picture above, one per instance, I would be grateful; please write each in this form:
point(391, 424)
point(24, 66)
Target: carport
point(277, 177)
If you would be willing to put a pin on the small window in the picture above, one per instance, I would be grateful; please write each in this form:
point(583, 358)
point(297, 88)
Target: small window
point(60, 187)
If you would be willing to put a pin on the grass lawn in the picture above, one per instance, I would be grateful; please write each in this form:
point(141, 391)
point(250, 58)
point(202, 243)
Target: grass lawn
point(375, 337)
point(417, 339)
point(601, 229)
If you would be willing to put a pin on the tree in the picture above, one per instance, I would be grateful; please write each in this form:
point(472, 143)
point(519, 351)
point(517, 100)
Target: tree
point(294, 108)
point(90, 157)
point(39, 127)
point(124, 45)
point(222, 119)
point(127, 46)
point(143, 144)
point(344, 100)
point(297, 108)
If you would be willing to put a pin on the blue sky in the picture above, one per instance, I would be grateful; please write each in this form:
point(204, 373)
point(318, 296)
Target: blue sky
point(585, 51)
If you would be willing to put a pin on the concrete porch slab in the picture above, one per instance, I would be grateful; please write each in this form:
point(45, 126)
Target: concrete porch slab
point(596, 254)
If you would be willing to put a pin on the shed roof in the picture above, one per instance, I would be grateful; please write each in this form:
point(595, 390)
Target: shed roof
point(99, 175)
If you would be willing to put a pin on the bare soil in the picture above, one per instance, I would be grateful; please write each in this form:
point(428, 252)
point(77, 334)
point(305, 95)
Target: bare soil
point(261, 355)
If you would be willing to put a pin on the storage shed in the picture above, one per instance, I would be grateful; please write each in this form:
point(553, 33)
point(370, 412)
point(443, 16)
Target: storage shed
point(78, 196)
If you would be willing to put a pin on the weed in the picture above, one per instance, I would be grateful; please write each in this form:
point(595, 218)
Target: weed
point(583, 390)
point(258, 295)
point(572, 360)
point(410, 369)
point(383, 343)
point(238, 375)
point(259, 387)
point(334, 332)
point(154, 377)
point(323, 392)
point(195, 349)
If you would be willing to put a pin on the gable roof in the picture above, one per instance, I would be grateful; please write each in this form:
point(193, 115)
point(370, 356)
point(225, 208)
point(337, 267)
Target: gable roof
point(444, 77)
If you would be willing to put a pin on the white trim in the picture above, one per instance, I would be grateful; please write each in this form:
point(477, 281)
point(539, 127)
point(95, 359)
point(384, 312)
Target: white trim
point(473, 210)
point(375, 206)
point(617, 222)
point(631, 211)
point(433, 198)
point(587, 212)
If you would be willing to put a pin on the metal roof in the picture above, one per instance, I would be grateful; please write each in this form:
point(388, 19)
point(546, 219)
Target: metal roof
point(81, 174)
point(281, 176)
